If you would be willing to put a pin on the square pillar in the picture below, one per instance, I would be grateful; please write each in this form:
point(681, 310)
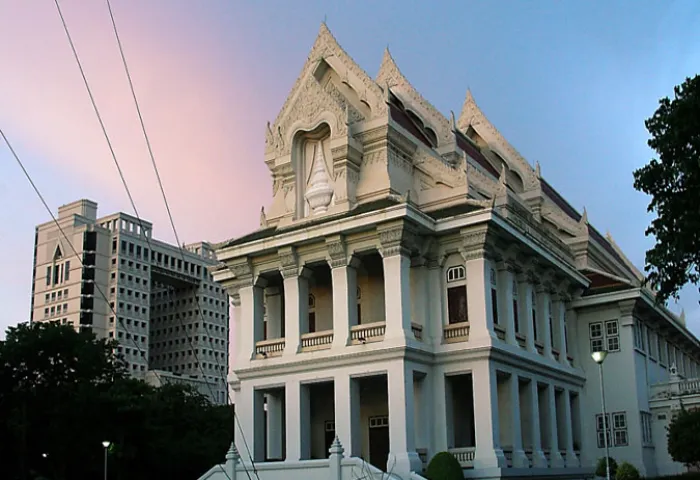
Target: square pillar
point(296, 309)
point(251, 321)
point(520, 460)
point(555, 458)
point(442, 421)
point(298, 421)
point(544, 299)
point(397, 300)
point(436, 319)
point(539, 460)
point(344, 278)
point(419, 297)
point(250, 413)
point(403, 458)
point(488, 452)
point(506, 277)
point(347, 414)
point(275, 427)
point(568, 431)
point(477, 251)
point(525, 294)
point(560, 318)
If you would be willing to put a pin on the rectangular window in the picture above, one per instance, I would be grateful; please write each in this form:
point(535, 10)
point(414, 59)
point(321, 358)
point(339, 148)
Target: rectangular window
point(67, 271)
point(646, 428)
point(601, 431)
point(619, 424)
point(56, 274)
point(595, 334)
point(612, 336)
point(114, 245)
point(457, 304)
point(604, 336)
point(312, 322)
point(48, 275)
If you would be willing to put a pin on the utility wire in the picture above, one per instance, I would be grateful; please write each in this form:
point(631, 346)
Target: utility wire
point(167, 206)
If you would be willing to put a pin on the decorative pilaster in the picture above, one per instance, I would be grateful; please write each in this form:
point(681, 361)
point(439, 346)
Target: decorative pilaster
point(344, 280)
point(478, 253)
point(436, 293)
point(395, 251)
point(251, 308)
point(544, 298)
point(525, 294)
point(346, 165)
point(559, 317)
point(507, 271)
point(296, 299)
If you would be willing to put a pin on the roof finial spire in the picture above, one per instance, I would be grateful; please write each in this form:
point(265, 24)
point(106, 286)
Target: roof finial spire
point(453, 122)
point(584, 217)
point(538, 171)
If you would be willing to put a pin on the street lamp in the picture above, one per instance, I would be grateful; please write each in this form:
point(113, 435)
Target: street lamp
point(106, 445)
point(599, 358)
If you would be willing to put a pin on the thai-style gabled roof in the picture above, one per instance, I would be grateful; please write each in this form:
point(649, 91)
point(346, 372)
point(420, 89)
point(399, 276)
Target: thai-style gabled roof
point(471, 115)
point(390, 75)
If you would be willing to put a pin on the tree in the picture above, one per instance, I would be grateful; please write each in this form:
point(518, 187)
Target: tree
point(63, 392)
point(683, 435)
point(673, 181)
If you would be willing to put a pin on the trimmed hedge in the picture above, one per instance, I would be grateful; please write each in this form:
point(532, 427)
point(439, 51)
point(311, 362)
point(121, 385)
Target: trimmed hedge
point(444, 466)
point(600, 467)
point(627, 471)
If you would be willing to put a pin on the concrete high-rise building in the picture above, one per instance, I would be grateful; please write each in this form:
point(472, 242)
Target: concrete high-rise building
point(111, 276)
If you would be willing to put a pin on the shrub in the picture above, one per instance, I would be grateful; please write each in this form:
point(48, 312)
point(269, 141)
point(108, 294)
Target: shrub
point(600, 467)
point(444, 466)
point(627, 471)
point(683, 433)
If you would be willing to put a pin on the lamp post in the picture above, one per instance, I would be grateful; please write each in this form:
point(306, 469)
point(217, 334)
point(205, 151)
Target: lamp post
point(599, 358)
point(106, 445)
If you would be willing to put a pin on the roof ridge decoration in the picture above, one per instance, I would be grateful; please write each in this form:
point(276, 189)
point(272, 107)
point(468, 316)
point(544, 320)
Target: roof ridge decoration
point(628, 263)
point(325, 47)
point(389, 74)
point(471, 115)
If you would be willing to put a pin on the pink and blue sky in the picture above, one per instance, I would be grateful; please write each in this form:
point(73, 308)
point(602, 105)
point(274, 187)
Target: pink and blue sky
point(568, 83)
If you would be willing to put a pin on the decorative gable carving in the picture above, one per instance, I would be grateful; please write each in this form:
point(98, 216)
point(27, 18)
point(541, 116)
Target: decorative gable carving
point(390, 75)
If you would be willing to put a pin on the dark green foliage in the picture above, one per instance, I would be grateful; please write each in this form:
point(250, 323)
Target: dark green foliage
point(673, 181)
point(600, 467)
point(62, 393)
point(444, 466)
point(682, 476)
point(683, 435)
point(627, 471)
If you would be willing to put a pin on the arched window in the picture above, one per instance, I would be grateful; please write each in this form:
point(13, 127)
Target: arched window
point(456, 294)
point(494, 296)
point(312, 313)
point(359, 306)
point(455, 274)
point(515, 307)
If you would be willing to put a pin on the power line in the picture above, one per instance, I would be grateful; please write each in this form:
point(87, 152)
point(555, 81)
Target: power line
point(167, 205)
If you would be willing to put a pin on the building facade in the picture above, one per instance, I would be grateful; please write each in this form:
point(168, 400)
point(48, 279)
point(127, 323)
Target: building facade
point(125, 285)
point(417, 286)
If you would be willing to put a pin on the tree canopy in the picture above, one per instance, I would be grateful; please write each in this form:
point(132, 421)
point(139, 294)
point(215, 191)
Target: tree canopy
point(62, 393)
point(683, 435)
point(673, 181)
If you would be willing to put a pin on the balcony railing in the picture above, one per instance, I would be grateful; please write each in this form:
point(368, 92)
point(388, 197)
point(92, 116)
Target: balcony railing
point(316, 340)
point(269, 348)
point(464, 455)
point(367, 332)
point(675, 388)
point(455, 332)
point(417, 330)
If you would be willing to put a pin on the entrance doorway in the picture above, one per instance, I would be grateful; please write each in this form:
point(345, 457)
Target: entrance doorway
point(379, 441)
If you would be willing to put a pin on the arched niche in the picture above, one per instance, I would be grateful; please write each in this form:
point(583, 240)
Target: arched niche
point(313, 170)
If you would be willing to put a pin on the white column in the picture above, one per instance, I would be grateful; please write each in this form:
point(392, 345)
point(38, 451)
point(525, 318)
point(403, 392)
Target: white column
point(544, 298)
point(236, 323)
point(555, 458)
point(347, 414)
point(488, 452)
point(479, 308)
point(539, 460)
point(403, 458)
point(275, 404)
point(571, 458)
point(273, 297)
point(344, 278)
point(436, 293)
point(561, 319)
point(506, 276)
point(297, 421)
point(520, 460)
point(419, 295)
point(249, 410)
point(251, 320)
point(525, 305)
point(441, 420)
point(397, 300)
point(296, 310)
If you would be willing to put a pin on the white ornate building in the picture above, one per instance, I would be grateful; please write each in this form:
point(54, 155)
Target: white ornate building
point(417, 286)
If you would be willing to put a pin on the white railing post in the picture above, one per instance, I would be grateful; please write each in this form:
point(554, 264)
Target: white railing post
point(232, 458)
point(335, 460)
